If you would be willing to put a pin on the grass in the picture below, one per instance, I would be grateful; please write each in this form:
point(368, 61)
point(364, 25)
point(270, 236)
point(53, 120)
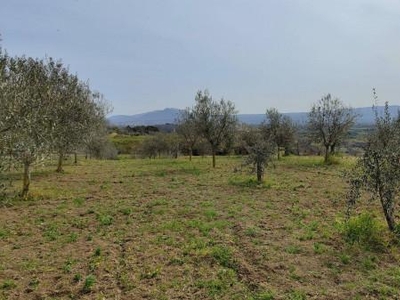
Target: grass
point(174, 229)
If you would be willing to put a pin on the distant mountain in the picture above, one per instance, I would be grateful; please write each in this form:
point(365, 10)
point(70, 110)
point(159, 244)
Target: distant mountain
point(169, 115)
point(367, 115)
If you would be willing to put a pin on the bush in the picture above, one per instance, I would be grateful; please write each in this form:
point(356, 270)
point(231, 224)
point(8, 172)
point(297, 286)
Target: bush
point(102, 148)
point(363, 229)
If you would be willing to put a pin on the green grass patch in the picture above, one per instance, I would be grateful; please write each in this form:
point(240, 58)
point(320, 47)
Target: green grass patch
point(364, 230)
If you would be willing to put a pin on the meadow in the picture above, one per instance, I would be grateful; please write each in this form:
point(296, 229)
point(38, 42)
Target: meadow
point(174, 229)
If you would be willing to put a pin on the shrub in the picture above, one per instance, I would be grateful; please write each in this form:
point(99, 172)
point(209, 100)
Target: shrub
point(364, 230)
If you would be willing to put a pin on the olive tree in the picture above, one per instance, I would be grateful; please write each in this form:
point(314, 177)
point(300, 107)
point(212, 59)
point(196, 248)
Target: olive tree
point(215, 120)
point(77, 114)
point(378, 170)
point(187, 129)
point(28, 110)
point(67, 114)
point(279, 129)
point(260, 150)
point(43, 109)
point(329, 121)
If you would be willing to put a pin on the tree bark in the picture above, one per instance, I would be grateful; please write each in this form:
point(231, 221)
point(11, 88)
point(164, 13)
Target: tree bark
point(26, 180)
point(388, 210)
point(326, 154)
point(213, 157)
point(333, 148)
point(259, 172)
point(190, 153)
point(279, 155)
point(60, 162)
point(75, 158)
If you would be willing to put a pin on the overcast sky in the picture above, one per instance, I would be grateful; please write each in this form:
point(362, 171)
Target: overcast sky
point(152, 54)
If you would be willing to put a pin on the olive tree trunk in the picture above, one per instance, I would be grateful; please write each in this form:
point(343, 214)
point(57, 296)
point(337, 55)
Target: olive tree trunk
point(213, 156)
point(326, 153)
point(387, 203)
point(26, 179)
point(259, 171)
point(60, 162)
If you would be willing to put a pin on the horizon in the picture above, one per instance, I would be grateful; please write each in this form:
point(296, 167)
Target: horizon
point(239, 113)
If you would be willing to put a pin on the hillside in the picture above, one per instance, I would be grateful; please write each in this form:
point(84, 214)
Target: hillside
point(169, 115)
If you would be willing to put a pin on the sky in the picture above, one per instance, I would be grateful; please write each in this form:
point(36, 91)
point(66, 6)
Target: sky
point(146, 55)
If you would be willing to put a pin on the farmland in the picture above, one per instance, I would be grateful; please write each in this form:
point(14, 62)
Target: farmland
point(174, 229)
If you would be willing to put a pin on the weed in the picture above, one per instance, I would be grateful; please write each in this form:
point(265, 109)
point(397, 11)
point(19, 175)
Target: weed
point(268, 295)
point(8, 284)
point(369, 263)
point(68, 265)
point(51, 233)
point(126, 281)
point(105, 220)
point(293, 274)
point(72, 237)
point(126, 211)
point(308, 235)
point(225, 279)
point(4, 233)
point(214, 287)
point(203, 227)
point(318, 248)
point(34, 283)
point(223, 255)
point(30, 264)
point(79, 223)
point(77, 277)
point(90, 280)
point(79, 201)
point(97, 252)
point(293, 249)
point(210, 214)
point(364, 230)
point(344, 258)
point(296, 295)
point(251, 232)
point(150, 274)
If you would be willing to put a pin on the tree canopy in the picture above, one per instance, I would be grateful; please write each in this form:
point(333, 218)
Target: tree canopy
point(215, 120)
point(43, 109)
point(329, 122)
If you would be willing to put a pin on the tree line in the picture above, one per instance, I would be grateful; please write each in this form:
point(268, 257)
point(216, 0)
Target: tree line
point(215, 121)
point(45, 109)
point(377, 171)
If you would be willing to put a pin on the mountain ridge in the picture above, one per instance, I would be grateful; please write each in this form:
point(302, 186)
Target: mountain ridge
point(169, 116)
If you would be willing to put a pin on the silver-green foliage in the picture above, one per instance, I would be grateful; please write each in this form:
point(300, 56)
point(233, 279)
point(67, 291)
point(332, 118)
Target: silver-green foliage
point(329, 122)
point(378, 170)
point(260, 149)
point(279, 129)
point(187, 129)
point(43, 109)
point(215, 120)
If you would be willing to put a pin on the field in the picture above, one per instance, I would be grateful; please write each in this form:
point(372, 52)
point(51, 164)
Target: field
point(174, 229)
